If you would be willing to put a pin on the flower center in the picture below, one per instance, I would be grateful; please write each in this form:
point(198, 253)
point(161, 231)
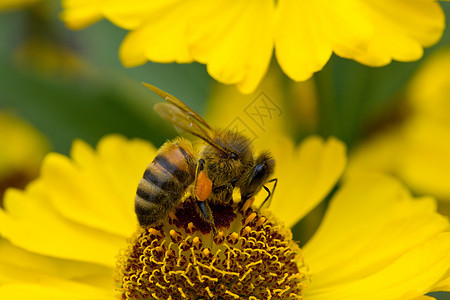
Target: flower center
point(250, 257)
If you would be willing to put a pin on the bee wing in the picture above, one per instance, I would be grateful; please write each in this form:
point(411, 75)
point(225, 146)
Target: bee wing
point(174, 101)
point(180, 118)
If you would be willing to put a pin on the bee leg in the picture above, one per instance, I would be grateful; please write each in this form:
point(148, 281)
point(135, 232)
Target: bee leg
point(202, 190)
point(224, 193)
point(230, 189)
point(207, 214)
point(270, 193)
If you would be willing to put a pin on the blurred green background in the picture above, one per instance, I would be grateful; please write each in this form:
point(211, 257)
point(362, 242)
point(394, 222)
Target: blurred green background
point(71, 84)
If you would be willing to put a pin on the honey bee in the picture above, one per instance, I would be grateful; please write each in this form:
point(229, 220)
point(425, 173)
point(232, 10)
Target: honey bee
point(224, 162)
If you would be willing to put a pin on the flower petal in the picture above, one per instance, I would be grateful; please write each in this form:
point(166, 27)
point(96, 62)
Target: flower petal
point(236, 44)
point(402, 29)
point(381, 153)
point(259, 115)
point(305, 175)
point(78, 14)
point(308, 31)
point(375, 237)
point(26, 275)
point(301, 54)
point(416, 151)
point(425, 164)
point(67, 291)
point(133, 14)
point(98, 188)
point(428, 91)
point(412, 275)
point(81, 210)
point(32, 223)
point(156, 37)
point(444, 285)
point(27, 264)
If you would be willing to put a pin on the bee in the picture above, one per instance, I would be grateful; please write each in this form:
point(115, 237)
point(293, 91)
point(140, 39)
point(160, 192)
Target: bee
point(224, 162)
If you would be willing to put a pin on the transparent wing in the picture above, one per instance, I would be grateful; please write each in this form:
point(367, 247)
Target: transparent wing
point(179, 118)
point(174, 101)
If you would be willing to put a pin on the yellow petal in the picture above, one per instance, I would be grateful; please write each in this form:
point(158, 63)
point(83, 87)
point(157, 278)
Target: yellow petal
point(424, 298)
point(236, 44)
point(156, 37)
point(402, 29)
point(308, 31)
point(372, 227)
point(443, 286)
point(425, 163)
point(412, 275)
point(25, 263)
point(30, 276)
point(416, 151)
point(235, 49)
point(259, 115)
point(40, 292)
point(428, 91)
point(133, 14)
point(78, 14)
point(155, 42)
point(345, 25)
point(81, 210)
point(300, 46)
point(381, 153)
point(305, 175)
point(33, 224)
point(98, 188)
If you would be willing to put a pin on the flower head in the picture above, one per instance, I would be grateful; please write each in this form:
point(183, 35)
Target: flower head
point(236, 39)
point(251, 255)
point(61, 236)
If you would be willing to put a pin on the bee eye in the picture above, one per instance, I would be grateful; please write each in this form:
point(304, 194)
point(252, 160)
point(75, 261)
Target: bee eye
point(234, 156)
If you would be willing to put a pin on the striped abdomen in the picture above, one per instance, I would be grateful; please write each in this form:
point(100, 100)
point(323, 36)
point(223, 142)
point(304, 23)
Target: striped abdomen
point(164, 182)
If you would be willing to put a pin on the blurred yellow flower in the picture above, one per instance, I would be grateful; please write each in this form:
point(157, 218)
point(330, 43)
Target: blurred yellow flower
point(62, 234)
point(22, 149)
point(263, 113)
point(417, 149)
point(49, 58)
point(15, 4)
point(236, 39)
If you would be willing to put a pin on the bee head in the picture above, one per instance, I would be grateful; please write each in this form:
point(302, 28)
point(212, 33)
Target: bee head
point(237, 146)
point(255, 178)
point(232, 159)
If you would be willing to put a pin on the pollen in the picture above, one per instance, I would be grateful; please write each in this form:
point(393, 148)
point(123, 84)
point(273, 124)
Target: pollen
point(251, 256)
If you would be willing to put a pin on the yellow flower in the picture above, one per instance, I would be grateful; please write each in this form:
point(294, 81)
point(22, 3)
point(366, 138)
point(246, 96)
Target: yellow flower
point(417, 148)
point(15, 4)
point(236, 39)
point(264, 113)
point(62, 234)
point(49, 58)
point(22, 150)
